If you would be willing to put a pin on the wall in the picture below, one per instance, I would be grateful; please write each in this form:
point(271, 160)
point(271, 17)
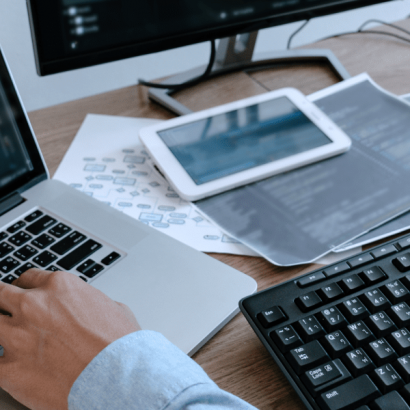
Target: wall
point(38, 92)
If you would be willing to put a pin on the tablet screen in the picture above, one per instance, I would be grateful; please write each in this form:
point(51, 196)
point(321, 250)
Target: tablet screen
point(235, 141)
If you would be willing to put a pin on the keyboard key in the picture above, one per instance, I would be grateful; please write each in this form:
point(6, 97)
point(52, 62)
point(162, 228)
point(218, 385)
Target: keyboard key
point(354, 310)
point(350, 395)
point(359, 334)
point(268, 318)
point(360, 260)
point(25, 253)
point(24, 268)
point(9, 279)
point(53, 268)
point(402, 263)
point(33, 216)
point(20, 238)
point(391, 401)
point(111, 258)
point(396, 292)
point(373, 275)
point(3, 236)
point(78, 255)
point(387, 379)
point(307, 356)
point(306, 281)
point(331, 319)
point(87, 265)
point(403, 367)
point(324, 377)
point(400, 340)
point(41, 225)
point(8, 264)
point(43, 241)
point(336, 344)
point(309, 328)
point(384, 251)
point(381, 352)
point(352, 284)
point(400, 314)
point(286, 338)
point(331, 292)
point(44, 259)
point(16, 227)
point(5, 249)
point(68, 243)
point(308, 302)
point(404, 243)
point(375, 300)
point(380, 324)
point(59, 230)
point(358, 362)
point(336, 269)
point(83, 278)
point(94, 270)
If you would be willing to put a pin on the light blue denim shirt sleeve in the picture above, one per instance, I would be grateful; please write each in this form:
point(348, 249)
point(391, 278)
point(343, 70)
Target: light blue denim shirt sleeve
point(145, 371)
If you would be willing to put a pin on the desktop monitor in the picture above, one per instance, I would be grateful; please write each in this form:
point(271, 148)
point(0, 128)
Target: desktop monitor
point(71, 34)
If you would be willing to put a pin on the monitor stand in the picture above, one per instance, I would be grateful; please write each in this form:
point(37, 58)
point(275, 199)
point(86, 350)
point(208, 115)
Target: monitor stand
point(237, 53)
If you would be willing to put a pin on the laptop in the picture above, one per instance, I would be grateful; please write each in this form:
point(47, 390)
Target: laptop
point(171, 288)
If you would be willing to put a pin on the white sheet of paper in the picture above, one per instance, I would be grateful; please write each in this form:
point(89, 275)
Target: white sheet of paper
point(107, 161)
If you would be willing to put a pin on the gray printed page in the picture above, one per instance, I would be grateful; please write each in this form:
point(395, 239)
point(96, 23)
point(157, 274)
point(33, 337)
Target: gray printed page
point(396, 226)
point(299, 216)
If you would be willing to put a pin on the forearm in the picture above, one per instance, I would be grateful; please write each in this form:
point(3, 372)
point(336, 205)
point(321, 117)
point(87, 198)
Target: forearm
point(145, 371)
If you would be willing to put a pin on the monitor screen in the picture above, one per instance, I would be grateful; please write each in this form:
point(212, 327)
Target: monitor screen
point(71, 34)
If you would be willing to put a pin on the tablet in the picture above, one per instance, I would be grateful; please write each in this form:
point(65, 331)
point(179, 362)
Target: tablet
point(218, 149)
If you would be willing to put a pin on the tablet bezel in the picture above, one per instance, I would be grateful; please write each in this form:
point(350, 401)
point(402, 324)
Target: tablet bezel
point(187, 188)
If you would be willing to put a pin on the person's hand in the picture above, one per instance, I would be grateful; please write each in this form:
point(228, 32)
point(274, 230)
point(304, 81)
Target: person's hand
point(58, 324)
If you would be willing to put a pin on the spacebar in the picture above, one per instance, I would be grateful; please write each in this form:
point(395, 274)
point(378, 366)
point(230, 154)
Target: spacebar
point(79, 254)
point(351, 394)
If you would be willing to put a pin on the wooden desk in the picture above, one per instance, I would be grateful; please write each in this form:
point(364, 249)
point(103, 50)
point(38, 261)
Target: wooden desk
point(235, 358)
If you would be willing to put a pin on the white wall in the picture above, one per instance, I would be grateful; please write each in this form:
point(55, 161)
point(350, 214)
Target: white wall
point(38, 92)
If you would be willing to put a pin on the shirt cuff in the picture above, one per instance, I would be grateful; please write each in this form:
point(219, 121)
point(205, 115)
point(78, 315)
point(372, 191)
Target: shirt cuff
point(140, 370)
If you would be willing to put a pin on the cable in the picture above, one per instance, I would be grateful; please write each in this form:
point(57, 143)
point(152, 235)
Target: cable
point(194, 81)
point(296, 32)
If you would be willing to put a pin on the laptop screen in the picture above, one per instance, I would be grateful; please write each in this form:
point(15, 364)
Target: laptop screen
point(20, 161)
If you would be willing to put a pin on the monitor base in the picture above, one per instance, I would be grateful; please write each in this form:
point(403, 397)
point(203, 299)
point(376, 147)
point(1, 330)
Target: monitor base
point(235, 54)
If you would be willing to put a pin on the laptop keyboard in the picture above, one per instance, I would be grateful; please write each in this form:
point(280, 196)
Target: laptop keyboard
point(41, 241)
point(341, 334)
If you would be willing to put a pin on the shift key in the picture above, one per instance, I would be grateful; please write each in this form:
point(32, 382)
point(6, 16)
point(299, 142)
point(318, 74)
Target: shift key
point(352, 394)
point(79, 254)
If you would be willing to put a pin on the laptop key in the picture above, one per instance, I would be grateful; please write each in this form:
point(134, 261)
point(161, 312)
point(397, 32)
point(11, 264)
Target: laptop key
point(43, 241)
point(53, 268)
point(25, 253)
point(94, 270)
point(8, 264)
point(3, 236)
point(44, 259)
point(20, 238)
point(59, 230)
point(41, 225)
point(68, 243)
point(16, 227)
point(85, 266)
point(78, 255)
point(24, 268)
point(9, 279)
point(5, 249)
point(111, 258)
point(33, 216)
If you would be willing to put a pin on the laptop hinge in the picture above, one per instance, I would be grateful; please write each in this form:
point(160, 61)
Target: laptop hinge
point(10, 203)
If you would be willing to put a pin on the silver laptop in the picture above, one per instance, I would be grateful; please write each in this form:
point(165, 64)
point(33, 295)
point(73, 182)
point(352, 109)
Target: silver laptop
point(171, 288)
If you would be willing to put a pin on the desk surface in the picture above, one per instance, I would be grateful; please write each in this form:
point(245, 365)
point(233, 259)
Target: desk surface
point(235, 358)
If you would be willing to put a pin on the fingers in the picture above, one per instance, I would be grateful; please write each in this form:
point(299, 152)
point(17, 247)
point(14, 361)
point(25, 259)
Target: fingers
point(33, 278)
point(8, 298)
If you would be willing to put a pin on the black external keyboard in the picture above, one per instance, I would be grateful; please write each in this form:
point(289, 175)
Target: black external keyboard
point(341, 334)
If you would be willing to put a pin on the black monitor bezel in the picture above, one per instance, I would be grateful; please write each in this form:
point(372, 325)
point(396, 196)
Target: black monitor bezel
point(39, 172)
point(45, 67)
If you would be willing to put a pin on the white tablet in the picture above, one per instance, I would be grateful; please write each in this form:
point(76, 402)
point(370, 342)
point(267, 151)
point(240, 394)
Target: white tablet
point(215, 150)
